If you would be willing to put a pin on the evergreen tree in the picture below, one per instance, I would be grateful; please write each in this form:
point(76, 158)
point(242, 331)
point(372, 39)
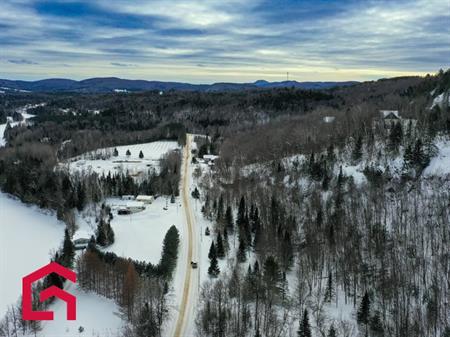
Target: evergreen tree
point(395, 137)
point(128, 153)
point(419, 158)
point(242, 255)
point(330, 154)
point(115, 152)
point(81, 196)
point(110, 233)
point(332, 331)
point(195, 193)
point(304, 329)
point(340, 179)
point(273, 276)
point(329, 289)
point(229, 221)
point(225, 239)
point(213, 269)
point(141, 154)
point(357, 149)
point(319, 218)
point(212, 251)
point(68, 252)
point(220, 207)
point(376, 326)
point(325, 181)
point(363, 314)
point(220, 247)
point(241, 212)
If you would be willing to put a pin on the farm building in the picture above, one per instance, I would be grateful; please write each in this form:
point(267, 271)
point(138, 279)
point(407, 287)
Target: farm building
point(146, 199)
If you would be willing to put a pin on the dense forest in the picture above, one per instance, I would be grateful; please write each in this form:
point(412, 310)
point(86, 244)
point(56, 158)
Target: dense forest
point(334, 214)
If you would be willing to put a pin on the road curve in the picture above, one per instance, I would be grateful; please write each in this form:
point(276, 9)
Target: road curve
point(186, 305)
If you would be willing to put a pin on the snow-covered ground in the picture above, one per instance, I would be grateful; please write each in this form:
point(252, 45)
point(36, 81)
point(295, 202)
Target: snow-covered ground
point(26, 116)
point(140, 235)
point(97, 315)
point(27, 237)
point(441, 100)
point(440, 164)
point(102, 161)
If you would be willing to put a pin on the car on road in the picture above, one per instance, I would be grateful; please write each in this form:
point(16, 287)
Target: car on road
point(194, 265)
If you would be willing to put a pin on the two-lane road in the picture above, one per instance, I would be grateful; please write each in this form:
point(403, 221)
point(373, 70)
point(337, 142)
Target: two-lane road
point(186, 313)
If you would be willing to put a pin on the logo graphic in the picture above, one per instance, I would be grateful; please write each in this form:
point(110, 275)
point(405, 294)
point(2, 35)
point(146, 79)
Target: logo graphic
point(27, 310)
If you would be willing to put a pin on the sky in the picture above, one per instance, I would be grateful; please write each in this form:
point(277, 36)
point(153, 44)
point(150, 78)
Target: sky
point(223, 40)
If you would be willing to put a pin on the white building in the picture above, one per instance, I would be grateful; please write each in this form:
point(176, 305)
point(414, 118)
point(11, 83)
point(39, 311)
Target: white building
point(210, 158)
point(146, 199)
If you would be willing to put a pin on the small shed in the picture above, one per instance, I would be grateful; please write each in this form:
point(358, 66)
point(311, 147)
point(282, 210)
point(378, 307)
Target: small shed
point(146, 199)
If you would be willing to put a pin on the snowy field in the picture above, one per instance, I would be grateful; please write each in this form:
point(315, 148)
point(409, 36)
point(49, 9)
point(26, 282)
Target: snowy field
point(27, 237)
point(440, 164)
point(140, 235)
point(97, 315)
point(102, 161)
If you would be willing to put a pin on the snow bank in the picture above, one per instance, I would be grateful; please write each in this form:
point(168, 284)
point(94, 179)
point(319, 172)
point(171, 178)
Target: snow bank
point(27, 236)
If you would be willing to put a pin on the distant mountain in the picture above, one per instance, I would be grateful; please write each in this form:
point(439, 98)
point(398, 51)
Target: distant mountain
point(114, 84)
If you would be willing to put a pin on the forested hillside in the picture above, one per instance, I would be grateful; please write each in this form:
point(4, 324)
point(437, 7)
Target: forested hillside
point(342, 226)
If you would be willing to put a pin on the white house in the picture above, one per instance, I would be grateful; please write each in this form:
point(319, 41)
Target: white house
point(329, 119)
point(390, 117)
point(146, 199)
point(390, 114)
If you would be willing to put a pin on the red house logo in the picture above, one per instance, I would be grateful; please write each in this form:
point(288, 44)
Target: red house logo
point(27, 310)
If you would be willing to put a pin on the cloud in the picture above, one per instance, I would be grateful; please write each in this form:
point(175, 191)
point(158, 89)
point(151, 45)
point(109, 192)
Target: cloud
point(118, 64)
point(22, 61)
point(225, 40)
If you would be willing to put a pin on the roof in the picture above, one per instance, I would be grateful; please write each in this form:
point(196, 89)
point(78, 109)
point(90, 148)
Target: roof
point(144, 197)
point(390, 114)
point(132, 204)
point(210, 156)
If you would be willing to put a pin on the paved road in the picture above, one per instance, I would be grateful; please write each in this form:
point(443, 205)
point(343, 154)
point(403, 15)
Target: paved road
point(186, 312)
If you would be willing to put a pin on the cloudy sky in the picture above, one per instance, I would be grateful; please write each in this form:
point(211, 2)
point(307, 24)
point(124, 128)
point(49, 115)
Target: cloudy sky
point(223, 40)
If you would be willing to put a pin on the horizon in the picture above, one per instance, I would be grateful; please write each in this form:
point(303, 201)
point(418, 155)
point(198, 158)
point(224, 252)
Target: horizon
point(175, 81)
point(191, 41)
